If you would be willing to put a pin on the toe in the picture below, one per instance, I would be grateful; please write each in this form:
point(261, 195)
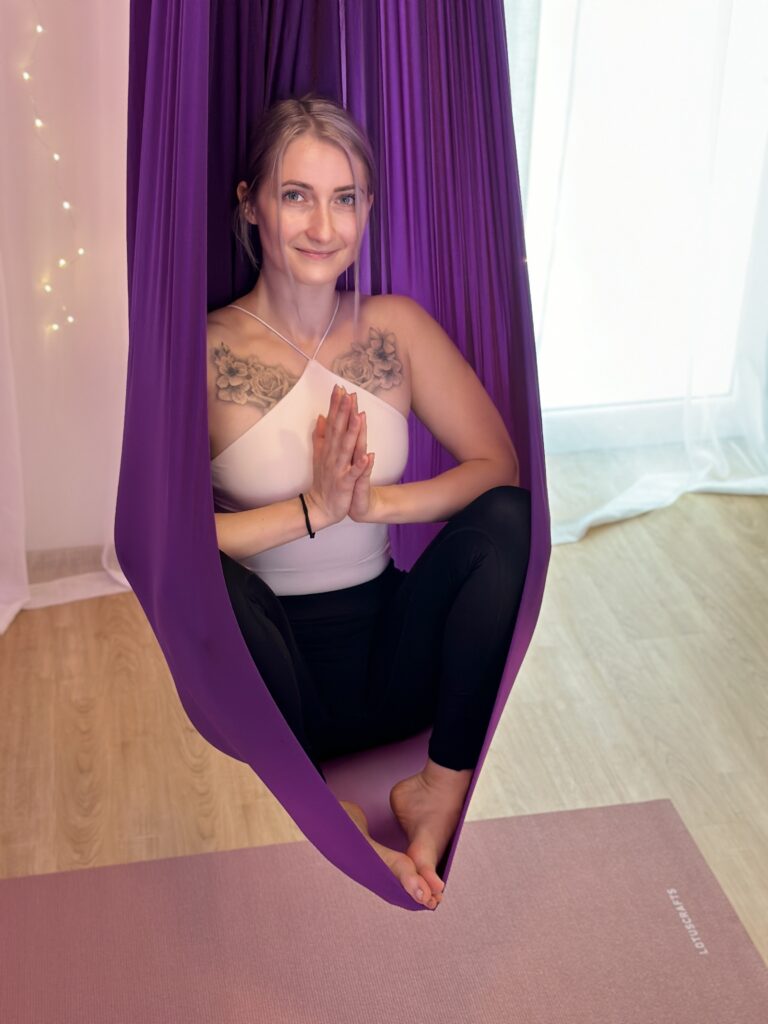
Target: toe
point(420, 883)
point(436, 884)
point(423, 855)
point(433, 880)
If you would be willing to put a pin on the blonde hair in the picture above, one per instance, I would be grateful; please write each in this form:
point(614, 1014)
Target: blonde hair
point(278, 126)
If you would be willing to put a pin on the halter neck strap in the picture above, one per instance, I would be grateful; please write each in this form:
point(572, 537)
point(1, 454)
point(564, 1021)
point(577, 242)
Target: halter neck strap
point(233, 305)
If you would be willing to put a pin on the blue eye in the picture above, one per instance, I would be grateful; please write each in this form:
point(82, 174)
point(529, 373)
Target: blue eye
point(294, 192)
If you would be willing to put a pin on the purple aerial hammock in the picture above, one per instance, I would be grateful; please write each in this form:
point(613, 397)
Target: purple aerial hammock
point(429, 82)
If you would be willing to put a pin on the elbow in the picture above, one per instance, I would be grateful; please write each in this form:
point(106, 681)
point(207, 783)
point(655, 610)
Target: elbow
point(506, 469)
point(515, 470)
point(512, 477)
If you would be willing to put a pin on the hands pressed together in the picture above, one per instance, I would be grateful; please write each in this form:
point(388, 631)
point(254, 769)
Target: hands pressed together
point(342, 465)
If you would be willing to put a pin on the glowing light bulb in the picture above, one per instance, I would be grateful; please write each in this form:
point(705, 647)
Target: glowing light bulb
point(38, 123)
point(26, 76)
point(81, 252)
point(47, 288)
point(66, 205)
point(62, 263)
point(54, 327)
point(56, 156)
point(70, 319)
point(38, 28)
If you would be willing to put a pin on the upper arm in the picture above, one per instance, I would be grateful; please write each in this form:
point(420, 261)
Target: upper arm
point(447, 395)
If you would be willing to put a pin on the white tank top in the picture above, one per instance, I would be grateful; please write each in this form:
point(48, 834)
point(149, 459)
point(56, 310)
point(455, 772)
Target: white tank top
point(272, 461)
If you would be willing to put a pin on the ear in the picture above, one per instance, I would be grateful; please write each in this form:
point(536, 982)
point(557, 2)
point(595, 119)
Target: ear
point(242, 189)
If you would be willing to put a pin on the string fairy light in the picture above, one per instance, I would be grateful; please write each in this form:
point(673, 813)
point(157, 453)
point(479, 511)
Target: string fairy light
point(42, 131)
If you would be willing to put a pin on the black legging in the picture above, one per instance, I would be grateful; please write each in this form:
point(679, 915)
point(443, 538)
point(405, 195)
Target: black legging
point(356, 668)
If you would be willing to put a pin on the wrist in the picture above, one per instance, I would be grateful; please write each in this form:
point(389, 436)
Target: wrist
point(375, 506)
point(319, 517)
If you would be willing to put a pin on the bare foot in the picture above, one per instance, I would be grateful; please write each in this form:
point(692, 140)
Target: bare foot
point(400, 864)
point(428, 806)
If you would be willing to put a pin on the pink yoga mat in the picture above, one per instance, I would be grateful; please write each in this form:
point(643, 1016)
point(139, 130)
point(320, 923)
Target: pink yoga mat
point(606, 915)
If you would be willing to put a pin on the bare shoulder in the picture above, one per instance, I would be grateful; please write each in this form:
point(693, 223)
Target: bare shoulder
point(395, 315)
point(408, 314)
point(221, 323)
point(423, 337)
point(220, 327)
point(415, 337)
point(392, 307)
point(219, 334)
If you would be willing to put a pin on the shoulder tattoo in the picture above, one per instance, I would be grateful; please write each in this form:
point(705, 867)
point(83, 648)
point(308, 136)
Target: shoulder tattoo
point(249, 380)
point(372, 363)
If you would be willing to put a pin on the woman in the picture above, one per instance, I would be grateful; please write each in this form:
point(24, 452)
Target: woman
point(309, 390)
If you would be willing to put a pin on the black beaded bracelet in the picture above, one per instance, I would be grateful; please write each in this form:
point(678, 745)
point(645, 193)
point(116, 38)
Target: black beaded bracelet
point(306, 515)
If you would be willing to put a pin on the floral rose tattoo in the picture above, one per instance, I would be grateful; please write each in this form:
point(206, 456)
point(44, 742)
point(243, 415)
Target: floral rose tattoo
point(369, 364)
point(372, 363)
point(248, 380)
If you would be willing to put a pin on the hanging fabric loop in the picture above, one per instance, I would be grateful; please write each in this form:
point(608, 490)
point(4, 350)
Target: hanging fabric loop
point(429, 83)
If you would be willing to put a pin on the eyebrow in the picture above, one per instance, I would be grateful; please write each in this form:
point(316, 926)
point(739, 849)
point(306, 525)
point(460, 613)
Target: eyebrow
point(303, 184)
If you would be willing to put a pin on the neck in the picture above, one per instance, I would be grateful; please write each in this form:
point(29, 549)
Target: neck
point(273, 299)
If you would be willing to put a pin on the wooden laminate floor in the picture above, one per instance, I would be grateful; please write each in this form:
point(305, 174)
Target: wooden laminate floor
point(646, 678)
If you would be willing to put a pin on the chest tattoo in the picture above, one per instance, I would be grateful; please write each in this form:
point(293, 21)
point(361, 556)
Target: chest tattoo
point(370, 364)
point(247, 379)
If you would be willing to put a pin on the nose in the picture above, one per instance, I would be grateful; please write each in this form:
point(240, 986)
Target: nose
point(320, 225)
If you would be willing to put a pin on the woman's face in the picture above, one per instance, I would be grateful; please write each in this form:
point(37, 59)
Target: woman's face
point(317, 207)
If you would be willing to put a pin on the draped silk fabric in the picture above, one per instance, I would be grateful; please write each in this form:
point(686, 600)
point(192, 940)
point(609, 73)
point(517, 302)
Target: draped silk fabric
point(429, 83)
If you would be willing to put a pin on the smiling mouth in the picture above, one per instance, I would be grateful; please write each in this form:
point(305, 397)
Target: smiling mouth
point(311, 252)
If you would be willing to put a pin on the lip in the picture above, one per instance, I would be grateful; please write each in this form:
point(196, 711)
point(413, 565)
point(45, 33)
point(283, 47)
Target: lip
point(315, 255)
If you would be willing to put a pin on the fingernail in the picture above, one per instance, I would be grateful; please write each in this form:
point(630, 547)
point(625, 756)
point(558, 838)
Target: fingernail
point(420, 893)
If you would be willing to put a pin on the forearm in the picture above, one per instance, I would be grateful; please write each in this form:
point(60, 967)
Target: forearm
point(439, 498)
point(242, 534)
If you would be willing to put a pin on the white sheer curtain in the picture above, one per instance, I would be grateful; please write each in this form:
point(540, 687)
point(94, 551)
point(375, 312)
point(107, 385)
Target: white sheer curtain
point(641, 133)
point(647, 237)
point(61, 391)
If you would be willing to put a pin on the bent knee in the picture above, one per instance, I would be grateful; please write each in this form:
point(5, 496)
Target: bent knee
point(503, 511)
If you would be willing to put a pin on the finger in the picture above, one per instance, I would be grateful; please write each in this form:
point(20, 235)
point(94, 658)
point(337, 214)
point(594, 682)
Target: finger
point(354, 412)
point(364, 468)
point(356, 418)
point(359, 453)
point(335, 399)
point(348, 443)
point(318, 434)
point(340, 394)
point(348, 425)
point(333, 411)
point(364, 430)
point(341, 421)
point(362, 446)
